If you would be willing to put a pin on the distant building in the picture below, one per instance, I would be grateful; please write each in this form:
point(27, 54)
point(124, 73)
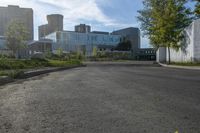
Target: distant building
point(70, 41)
point(100, 32)
point(190, 47)
point(146, 54)
point(132, 34)
point(82, 28)
point(15, 13)
point(41, 46)
point(55, 23)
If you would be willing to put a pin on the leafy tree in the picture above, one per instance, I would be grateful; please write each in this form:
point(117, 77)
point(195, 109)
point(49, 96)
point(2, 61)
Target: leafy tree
point(16, 35)
point(124, 45)
point(197, 8)
point(94, 51)
point(60, 53)
point(163, 21)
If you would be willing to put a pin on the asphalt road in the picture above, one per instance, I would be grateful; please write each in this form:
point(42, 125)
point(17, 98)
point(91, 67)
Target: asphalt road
point(104, 98)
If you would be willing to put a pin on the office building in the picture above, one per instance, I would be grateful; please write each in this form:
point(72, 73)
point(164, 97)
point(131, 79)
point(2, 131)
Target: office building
point(70, 41)
point(132, 34)
point(82, 28)
point(15, 13)
point(55, 23)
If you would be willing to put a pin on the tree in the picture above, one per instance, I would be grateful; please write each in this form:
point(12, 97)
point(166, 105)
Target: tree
point(163, 21)
point(16, 35)
point(197, 8)
point(124, 45)
point(94, 51)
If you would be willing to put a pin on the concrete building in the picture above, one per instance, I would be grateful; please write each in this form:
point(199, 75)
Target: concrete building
point(132, 34)
point(82, 28)
point(15, 13)
point(146, 54)
point(39, 48)
point(55, 23)
point(100, 32)
point(190, 46)
point(70, 41)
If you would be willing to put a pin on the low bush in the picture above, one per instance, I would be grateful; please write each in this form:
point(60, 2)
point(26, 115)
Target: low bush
point(13, 64)
point(56, 63)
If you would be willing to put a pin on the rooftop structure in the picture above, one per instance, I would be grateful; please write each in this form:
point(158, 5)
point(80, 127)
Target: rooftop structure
point(82, 28)
point(55, 23)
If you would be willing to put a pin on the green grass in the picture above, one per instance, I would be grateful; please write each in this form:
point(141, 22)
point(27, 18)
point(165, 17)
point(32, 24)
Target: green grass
point(185, 64)
point(13, 67)
point(57, 63)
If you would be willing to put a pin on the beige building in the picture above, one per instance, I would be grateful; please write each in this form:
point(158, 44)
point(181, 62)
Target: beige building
point(55, 23)
point(82, 28)
point(15, 13)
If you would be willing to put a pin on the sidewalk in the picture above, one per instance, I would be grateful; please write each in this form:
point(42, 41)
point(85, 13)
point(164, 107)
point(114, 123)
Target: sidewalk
point(181, 67)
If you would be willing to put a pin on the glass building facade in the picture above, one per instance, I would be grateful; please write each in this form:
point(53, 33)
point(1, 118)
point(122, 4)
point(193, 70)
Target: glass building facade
point(70, 41)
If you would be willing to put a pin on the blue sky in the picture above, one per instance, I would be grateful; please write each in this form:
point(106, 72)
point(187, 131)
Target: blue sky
point(104, 15)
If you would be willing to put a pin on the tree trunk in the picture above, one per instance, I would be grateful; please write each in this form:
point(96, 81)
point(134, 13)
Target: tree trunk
point(169, 56)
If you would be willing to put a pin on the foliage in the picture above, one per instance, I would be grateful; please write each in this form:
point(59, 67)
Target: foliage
point(94, 51)
point(186, 63)
point(163, 21)
point(12, 64)
point(197, 8)
point(60, 53)
point(16, 35)
point(12, 73)
point(109, 56)
point(9, 64)
point(124, 45)
point(56, 63)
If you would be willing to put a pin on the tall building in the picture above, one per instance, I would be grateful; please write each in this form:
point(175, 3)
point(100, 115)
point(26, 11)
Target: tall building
point(82, 28)
point(132, 34)
point(15, 13)
point(55, 23)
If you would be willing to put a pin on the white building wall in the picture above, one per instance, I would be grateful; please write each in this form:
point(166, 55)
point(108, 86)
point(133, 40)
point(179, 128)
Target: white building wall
point(190, 49)
point(196, 40)
point(161, 55)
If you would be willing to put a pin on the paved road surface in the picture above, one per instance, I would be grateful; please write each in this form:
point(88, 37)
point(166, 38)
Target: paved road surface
point(104, 98)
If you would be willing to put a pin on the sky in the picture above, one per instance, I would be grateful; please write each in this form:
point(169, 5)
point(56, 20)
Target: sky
point(102, 15)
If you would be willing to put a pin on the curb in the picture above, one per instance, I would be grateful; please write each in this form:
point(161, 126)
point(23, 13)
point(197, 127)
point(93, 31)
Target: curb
point(30, 74)
point(5, 79)
point(128, 63)
point(180, 67)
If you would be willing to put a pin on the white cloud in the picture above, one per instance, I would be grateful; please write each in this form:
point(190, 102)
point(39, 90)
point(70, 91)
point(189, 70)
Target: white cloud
point(74, 12)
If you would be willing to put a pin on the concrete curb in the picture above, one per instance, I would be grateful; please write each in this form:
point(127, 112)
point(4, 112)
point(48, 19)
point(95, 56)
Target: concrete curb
point(124, 63)
point(5, 79)
point(181, 67)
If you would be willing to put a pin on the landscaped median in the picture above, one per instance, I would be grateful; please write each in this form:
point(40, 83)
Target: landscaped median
point(11, 69)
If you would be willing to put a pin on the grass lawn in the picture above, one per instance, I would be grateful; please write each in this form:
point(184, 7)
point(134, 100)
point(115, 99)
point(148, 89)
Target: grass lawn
point(13, 67)
point(186, 64)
